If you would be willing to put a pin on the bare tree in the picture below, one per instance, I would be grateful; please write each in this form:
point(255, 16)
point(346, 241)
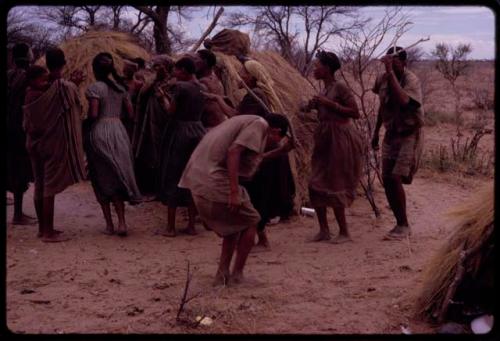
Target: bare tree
point(165, 35)
point(283, 25)
point(272, 21)
point(21, 29)
point(359, 51)
point(321, 24)
point(452, 63)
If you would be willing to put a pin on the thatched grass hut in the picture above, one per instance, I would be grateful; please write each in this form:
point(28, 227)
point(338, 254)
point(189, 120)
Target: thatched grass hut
point(462, 269)
point(292, 89)
point(81, 50)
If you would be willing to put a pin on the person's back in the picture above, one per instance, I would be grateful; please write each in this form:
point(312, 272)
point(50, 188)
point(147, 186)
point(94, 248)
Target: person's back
point(206, 173)
point(189, 101)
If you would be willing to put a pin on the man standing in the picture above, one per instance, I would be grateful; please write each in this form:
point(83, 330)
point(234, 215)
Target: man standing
point(402, 114)
point(19, 172)
point(230, 151)
point(53, 125)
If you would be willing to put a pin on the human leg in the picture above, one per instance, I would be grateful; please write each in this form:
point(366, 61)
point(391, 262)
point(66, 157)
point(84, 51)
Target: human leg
point(228, 247)
point(324, 229)
point(120, 212)
point(49, 234)
point(344, 235)
point(190, 229)
point(106, 211)
point(19, 217)
point(245, 244)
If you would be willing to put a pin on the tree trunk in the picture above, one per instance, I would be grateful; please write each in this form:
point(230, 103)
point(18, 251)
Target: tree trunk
point(160, 34)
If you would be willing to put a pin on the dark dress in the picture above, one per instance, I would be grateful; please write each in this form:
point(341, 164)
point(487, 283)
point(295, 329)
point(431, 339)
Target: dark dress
point(272, 188)
point(182, 133)
point(19, 171)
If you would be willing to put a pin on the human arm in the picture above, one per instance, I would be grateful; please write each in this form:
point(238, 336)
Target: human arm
point(233, 164)
point(226, 109)
point(376, 131)
point(284, 148)
point(93, 108)
point(345, 106)
point(397, 91)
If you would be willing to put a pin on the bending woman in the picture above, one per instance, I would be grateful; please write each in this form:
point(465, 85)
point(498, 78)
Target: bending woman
point(108, 146)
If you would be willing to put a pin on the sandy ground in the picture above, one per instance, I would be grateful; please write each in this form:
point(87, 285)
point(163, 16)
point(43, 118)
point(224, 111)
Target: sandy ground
point(107, 284)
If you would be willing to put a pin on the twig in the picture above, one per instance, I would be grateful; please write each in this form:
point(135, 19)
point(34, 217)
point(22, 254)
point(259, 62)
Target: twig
point(395, 53)
point(185, 299)
point(208, 30)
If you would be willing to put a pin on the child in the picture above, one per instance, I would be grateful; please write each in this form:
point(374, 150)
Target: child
point(37, 78)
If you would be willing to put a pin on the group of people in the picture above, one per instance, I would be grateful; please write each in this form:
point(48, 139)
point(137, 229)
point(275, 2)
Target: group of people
point(177, 138)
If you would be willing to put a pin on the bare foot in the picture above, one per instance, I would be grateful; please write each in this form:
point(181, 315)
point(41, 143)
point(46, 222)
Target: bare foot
point(220, 279)
point(260, 248)
point(166, 233)
point(320, 237)
point(236, 278)
point(188, 230)
point(39, 234)
point(24, 220)
point(341, 239)
point(122, 230)
point(54, 238)
point(108, 231)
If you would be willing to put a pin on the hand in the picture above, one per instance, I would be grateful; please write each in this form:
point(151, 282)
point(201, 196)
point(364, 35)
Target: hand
point(375, 142)
point(210, 96)
point(234, 201)
point(387, 60)
point(77, 77)
point(319, 99)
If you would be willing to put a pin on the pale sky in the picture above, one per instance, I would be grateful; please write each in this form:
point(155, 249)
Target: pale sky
point(449, 24)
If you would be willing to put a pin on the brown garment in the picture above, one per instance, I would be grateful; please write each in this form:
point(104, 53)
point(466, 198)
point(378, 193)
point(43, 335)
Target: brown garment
point(250, 106)
point(212, 115)
point(224, 222)
point(206, 173)
point(403, 139)
point(231, 42)
point(337, 155)
point(53, 126)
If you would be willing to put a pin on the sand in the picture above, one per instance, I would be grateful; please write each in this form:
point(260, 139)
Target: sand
point(106, 284)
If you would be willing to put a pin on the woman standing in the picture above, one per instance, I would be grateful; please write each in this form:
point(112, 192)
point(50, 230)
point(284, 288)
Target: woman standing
point(182, 133)
point(108, 146)
point(338, 149)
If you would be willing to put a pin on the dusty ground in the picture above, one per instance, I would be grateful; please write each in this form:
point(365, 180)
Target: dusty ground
point(100, 284)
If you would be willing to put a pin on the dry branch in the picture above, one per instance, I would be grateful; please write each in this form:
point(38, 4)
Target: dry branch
point(208, 30)
point(184, 298)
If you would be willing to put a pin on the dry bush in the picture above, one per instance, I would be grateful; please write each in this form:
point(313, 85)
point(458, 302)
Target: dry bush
point(462, 156)
point(433, 118)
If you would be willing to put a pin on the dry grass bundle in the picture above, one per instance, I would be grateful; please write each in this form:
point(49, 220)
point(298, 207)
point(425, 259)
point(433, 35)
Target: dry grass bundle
point(462, 253)
point(81, 50)
point(292, 89)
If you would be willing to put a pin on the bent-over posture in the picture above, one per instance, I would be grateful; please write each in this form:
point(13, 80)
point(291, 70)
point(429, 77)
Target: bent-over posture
point(228, 152)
